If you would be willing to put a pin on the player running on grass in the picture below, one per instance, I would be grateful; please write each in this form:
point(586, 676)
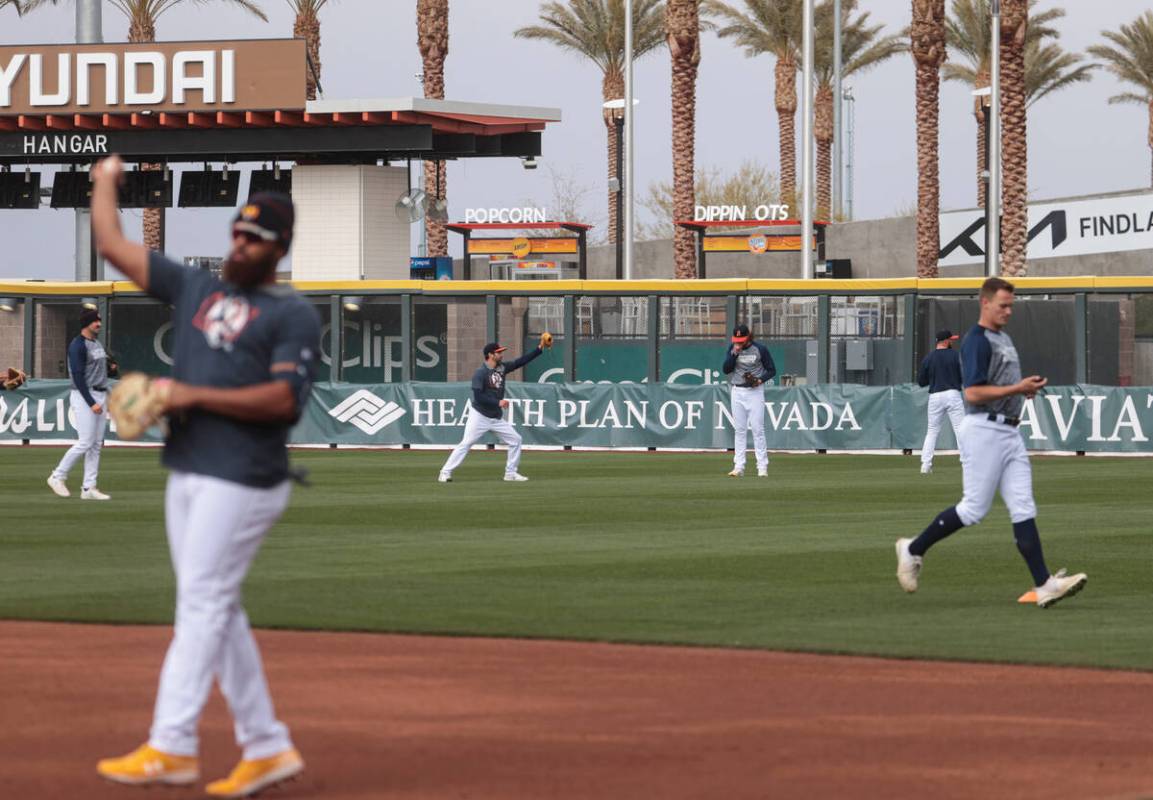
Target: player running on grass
point(487, 409)
point(993, 456)
point(245, 354)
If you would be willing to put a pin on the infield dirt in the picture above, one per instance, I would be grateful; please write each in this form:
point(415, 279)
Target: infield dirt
point(436, 717)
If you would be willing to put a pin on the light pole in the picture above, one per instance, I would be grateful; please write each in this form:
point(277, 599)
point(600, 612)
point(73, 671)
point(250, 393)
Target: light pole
point(629, 102)
point(807, 145)
point(993, 195)
point(838, 140)
point(89, 267)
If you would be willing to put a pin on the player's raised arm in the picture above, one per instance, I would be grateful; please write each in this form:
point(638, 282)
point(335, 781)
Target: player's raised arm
point(129, 257)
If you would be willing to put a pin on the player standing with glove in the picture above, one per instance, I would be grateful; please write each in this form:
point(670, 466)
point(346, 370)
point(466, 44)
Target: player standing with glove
point(88, 371)
point(749, 367)
point(488, 405)
point(244, 359)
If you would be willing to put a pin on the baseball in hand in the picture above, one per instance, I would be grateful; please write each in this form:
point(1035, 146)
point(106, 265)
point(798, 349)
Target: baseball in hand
point(111, 167)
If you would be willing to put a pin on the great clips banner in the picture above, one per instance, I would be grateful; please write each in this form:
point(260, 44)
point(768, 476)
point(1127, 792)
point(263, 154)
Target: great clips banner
point(1095, 419)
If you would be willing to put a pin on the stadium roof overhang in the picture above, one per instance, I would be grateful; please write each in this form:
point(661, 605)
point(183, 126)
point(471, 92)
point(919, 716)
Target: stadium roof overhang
point(341, 131)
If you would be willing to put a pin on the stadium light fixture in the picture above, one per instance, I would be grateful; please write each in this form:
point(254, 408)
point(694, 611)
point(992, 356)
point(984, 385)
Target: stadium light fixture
point(353, 304)
point(88, 303)
point(8, 304)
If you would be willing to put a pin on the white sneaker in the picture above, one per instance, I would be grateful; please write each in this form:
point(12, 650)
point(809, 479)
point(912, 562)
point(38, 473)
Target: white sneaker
point(93, 494)
point(1060, 586)
point(908, 566)
point(444, 477)
point(926, 469)
point(516, 477)
point(763, 473)
point(58, 486)
point(737, 473)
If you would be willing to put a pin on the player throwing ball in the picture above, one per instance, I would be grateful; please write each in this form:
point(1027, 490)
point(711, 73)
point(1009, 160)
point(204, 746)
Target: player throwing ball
point(749, 367)
point(487, 410)
point(993, 456)
point(244, 359)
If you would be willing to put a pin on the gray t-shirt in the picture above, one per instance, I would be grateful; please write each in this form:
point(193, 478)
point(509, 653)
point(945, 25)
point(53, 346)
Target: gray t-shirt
point(229, 337)
point(988, 358)
point(87, 367)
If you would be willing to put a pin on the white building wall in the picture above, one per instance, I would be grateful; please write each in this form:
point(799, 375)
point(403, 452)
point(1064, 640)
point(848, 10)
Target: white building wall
point(345, 225)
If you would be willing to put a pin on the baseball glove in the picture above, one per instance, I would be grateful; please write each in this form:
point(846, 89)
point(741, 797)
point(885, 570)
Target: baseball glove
point(15, 379)
point(137, 403)
point(546, 340)
point(751, 381)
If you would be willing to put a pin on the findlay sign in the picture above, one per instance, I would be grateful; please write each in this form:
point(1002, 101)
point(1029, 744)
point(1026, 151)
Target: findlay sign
point(120, 78)
point(1075, 228)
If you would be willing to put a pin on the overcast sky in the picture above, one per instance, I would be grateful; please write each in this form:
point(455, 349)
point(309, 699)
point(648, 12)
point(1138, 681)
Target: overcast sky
point(1077, 143)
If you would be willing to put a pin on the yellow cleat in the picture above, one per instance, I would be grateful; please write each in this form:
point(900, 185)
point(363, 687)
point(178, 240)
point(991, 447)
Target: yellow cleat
point(250, 777)
point(146, 765)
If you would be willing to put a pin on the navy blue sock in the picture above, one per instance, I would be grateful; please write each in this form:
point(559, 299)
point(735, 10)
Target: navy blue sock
point(946, 523)
point(1029, 545)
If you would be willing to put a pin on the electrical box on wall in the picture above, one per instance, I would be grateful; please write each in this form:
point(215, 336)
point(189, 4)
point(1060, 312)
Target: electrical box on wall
point(859, 355)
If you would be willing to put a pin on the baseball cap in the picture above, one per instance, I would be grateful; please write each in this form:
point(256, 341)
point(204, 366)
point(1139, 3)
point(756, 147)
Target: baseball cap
point(947, 335)
point(88, 316)
point(493, 347)
point(741, 334)
point(269, 215)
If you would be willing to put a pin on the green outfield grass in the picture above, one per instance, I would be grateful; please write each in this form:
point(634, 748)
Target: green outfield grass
point(618, 547)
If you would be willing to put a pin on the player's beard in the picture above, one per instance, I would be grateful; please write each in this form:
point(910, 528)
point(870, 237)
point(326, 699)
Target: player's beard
point(249, 274)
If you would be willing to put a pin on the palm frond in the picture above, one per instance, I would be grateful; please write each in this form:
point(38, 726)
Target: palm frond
point(595, 29)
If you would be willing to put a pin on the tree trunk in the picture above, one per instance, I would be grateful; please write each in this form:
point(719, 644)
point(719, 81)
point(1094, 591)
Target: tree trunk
point(928, 47)
point(823, 133)
point(143, 29)
point(785, 95)
point(613, 88)
point(683, 33)
point(1150, 139)
point(982, 82)
point(307, 27)
point(432, 39)
point(1015, 165)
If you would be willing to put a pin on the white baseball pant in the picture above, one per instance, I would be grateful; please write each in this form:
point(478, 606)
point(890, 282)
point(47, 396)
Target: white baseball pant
point(215, 528)
point(948, 402)
point(90, 428)
point(475, 427)
point(748, 406)
point(994, 459)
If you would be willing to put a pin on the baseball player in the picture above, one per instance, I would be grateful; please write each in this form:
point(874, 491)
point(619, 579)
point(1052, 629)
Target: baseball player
point(749, 367)
point(88, 372)
point(244, 360)
point(994, 456)
point(487, 407)
point(941, 372)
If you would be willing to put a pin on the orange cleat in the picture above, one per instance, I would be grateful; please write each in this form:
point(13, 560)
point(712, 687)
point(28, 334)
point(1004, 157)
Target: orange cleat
point(250, 777)
point(147, 765)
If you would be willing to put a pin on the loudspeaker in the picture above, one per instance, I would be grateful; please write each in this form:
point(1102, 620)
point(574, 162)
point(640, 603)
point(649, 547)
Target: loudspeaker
point(265, 180)
point(71, 190)
point(841, 268)
point(209, 188)
point(19, 190)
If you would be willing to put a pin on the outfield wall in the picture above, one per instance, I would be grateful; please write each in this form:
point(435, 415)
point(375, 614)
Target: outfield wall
point(1095, 419)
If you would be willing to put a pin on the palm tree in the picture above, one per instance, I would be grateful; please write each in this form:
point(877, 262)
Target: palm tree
point(432, 39)
point(1131, 60)
point(771, 26)
point(595, 29)
point(683, 26)
point(927, 36)
point(307, 26)
point(1048, 68)
point(13, 3)
point(1015, 145)
point(860, 50)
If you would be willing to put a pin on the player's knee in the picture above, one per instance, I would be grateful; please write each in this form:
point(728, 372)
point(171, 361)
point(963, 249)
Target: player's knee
point(971, 513)
point(1023, 513)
